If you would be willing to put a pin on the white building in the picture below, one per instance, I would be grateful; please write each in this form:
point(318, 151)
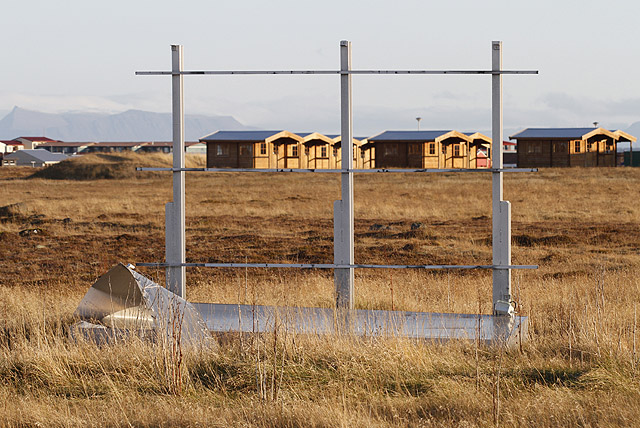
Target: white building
point(34, 158)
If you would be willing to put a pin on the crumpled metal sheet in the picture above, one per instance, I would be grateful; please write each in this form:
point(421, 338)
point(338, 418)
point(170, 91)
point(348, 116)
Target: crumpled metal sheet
point(123, 299)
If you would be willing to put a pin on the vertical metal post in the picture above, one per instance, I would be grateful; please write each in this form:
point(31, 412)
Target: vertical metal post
point(343, 209)
point(175, 211)
point(501, 210)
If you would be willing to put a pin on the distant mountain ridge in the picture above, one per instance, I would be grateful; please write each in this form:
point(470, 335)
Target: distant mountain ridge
point(131, 125)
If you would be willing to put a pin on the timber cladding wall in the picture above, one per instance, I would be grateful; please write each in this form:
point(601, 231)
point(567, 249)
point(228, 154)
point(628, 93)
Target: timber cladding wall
point(535, 153)
point(222, 155)
point(391, 154)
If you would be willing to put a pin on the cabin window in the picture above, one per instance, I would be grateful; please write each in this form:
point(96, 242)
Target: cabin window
point(263, 148)
point(335, 152)
point(306, 150)
point(534, 147)
point(560, 147)
point(246, 150)
point(456, 150)
point(222, 150)
point(391, 149)
point(323, 152)
point(589, 146)
point(576, 146)
point(432, 148)
point(294, 151)
point(414, 149)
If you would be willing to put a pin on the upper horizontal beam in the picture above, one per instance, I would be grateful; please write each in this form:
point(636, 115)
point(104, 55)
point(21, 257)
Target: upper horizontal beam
point(372, 170)
point(325, 72)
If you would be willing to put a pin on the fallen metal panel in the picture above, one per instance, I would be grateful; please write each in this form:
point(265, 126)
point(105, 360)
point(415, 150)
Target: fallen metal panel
point(489, 329)
point(124, 303)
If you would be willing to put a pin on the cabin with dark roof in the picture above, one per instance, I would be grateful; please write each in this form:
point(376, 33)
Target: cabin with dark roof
point(427, 149)
point(253, 149)
point(567, 147)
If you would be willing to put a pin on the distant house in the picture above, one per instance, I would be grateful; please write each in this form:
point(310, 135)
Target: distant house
point(509, 154)
point(11, 146)
point(66, 148)
point(426, 149)
point(33, 142)
point(253, 149)
point(115, 147)
point(482, 158)
point(195, 147)
point(33, 158)
point(566, 147)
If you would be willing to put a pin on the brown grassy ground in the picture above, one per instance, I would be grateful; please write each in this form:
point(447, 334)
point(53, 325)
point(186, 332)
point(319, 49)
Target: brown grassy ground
point(579, 368)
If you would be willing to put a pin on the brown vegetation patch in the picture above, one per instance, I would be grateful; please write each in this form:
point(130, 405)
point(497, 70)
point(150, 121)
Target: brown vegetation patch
point(525, 240)
point(106, 166)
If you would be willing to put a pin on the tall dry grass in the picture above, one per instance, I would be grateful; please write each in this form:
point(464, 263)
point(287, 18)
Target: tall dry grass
point(578, 368)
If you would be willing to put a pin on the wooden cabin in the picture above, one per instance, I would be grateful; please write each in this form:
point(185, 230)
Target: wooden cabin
point(253, 149)
point(366, 154)
point(567, 147)
point(337, 152)
point(478, 150)
point(426, 149)
point(318, 151)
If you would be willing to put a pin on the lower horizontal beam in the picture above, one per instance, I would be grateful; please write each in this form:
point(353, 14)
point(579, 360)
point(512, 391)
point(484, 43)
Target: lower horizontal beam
point(333, 266)
point(359, 171)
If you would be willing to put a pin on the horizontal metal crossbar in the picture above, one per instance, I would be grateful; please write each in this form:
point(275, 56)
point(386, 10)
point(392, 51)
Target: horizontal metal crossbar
point(326, 72)
point(333, 266)
point(364, 171)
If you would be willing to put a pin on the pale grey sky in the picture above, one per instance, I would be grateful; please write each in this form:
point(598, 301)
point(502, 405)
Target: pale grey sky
point(82, 55)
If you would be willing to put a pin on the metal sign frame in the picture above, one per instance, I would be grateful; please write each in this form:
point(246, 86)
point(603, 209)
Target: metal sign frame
point(343, 264)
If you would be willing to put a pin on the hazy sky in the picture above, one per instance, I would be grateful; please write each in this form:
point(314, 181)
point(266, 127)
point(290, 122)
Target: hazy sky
point(82, 55)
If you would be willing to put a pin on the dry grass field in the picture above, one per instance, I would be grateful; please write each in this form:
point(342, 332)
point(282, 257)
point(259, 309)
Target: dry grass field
point(578, 368)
